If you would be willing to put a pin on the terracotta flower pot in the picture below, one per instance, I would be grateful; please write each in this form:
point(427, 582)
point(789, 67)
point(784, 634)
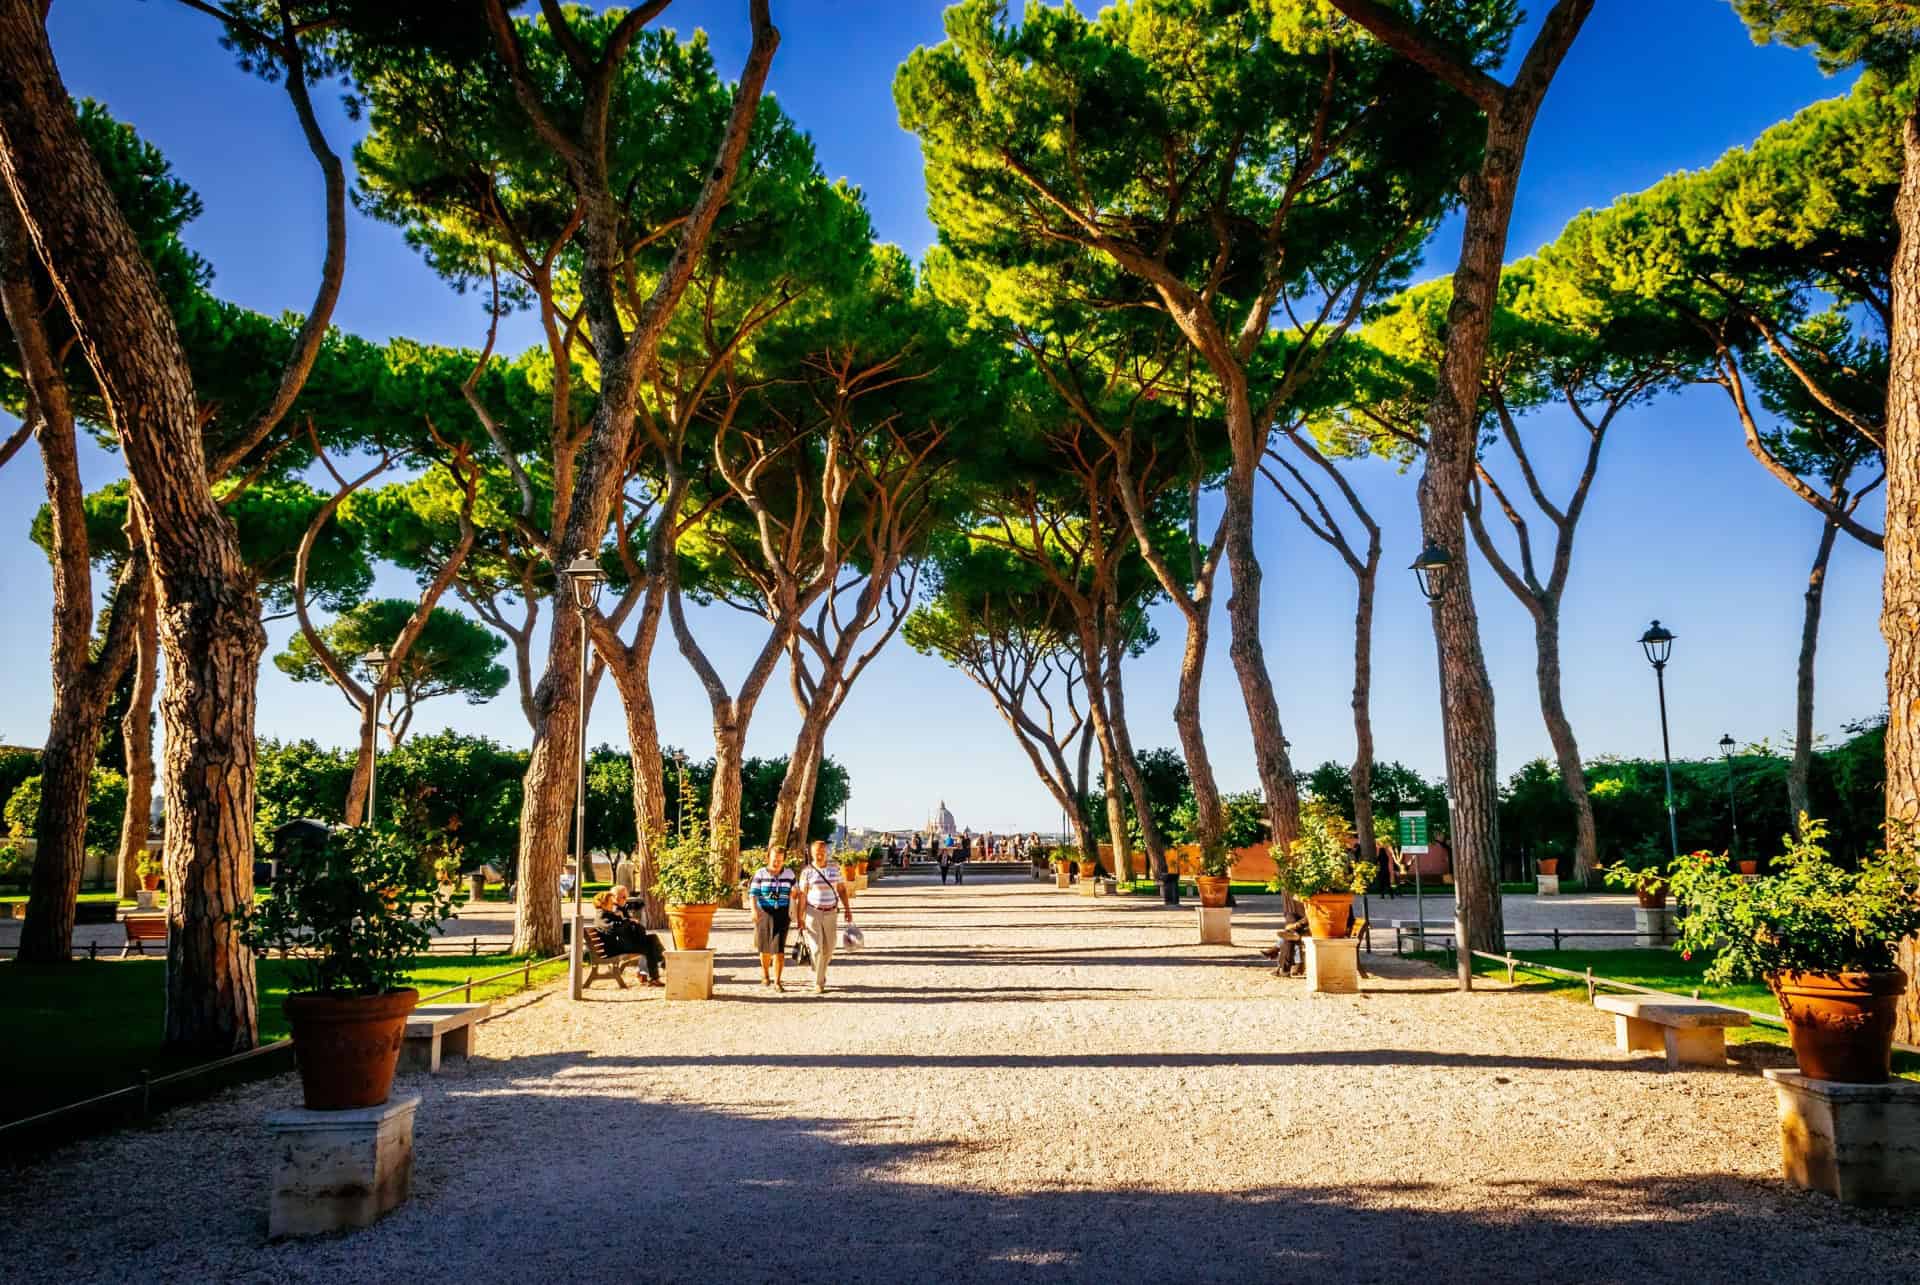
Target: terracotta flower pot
point(150, 882)
point(1841, 1023)
point(1213, 889)
point(691, 925)
point(348, 1045)
point(1549, 865)
point(1747, 867)
point(1088, 869)
point(1328, 913)
point(1651, 900)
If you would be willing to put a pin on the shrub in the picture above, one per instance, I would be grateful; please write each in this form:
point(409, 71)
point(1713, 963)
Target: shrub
point(1322, 858)
point(687, 873)
point(1808, 914)
point(356, 909)
point(106, 808)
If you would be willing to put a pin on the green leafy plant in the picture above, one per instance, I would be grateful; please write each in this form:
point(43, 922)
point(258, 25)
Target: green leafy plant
point(1644, 879)
point(147, 865)
point(352, 911)
point(687, 870)
point(1322, 858)
point(14, 863)
point(1809, 914)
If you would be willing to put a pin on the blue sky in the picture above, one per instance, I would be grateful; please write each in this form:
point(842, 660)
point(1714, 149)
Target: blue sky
point(1683, 524)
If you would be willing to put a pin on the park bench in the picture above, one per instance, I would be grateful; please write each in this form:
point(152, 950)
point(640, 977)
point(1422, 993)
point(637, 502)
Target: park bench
point(142, 929)
point(600, 961)
point(1691, 1032)
point(436, 1029)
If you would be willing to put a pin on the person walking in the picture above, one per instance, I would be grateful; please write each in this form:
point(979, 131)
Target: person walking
point(772, 892)
point(960, 858)
point(823, 894)
point(946, 859)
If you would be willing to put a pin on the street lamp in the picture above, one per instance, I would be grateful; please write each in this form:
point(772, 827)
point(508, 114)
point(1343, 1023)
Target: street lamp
point(377, 662)
point(1434, 570)
point(1657, 642)
point(585, 577)
point(1733, 808)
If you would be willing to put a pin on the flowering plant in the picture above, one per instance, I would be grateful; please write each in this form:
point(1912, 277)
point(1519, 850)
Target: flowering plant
point(1809, 914)
point(1322, 858)
point(1650, 879)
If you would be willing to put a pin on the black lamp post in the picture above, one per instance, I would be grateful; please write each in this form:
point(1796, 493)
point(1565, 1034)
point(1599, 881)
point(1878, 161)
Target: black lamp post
point(1733, 808)
point(584, 577)
point(1434, 570)
point(377, 662)
point(1657, 642)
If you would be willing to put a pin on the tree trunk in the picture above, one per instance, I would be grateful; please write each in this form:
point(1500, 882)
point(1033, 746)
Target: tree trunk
point(546, 810)
point(1361, 773)
point(136, 733)
point(1209, 815)
point(1799, 802)
point(1566, 751)
point(649, 783)
point(793, 808)
point(1900, 596)
point(1130, 770)
point(364, 767)
point(723, 808)
point(1249, 654)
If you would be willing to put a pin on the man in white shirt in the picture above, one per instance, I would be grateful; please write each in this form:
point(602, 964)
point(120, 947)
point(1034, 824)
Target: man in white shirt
point(822, 894)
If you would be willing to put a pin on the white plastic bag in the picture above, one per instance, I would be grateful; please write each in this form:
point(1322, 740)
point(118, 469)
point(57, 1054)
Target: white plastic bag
point(852, 937)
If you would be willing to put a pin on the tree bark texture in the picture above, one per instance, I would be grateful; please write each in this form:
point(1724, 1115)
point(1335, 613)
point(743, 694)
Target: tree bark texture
point(1209, 815)
point(1361, 773)
point(1566, 750)
point(546, 812)
point(1900, 595)
point(1273, 766)
point(136, 734)
point(1150, 838)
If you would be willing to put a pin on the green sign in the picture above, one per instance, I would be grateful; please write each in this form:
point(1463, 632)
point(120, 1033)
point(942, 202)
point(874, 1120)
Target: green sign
point(1413, 832)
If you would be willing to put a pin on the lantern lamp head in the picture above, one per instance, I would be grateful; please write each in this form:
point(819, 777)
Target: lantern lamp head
point(1726, 743)
point(376, 662)
point(1657, 642)
point(586, 577)
point(1431, 569)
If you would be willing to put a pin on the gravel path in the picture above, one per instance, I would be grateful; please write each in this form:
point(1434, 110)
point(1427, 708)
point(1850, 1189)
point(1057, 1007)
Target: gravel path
point(1011, 1083)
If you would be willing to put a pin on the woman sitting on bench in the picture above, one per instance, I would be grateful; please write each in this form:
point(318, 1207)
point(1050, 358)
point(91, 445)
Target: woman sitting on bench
point(625, 934)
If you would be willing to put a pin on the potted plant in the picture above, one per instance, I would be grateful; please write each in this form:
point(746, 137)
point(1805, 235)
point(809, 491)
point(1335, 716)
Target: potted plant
point(1215, 879)
point(446, 871)
point(1322, 869)
point(1549, 859)
point(691, 879)
point(1747, 865)
point(148, 868)
point(1821, 936)
point(350, 910)
point(1062, 859)
point(1648, 884)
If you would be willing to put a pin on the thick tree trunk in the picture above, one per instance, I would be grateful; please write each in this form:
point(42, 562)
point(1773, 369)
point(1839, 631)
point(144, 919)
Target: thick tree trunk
point(364, 772)
point(1799, 800)
point(1249, 654)
point(1361, 773)
point(1566, 751)
point(723, 807)
point(546, 810)
point(649, 794)
point(136, 733)
point(1900, 596)
point(1111, 770)
point(793, 807)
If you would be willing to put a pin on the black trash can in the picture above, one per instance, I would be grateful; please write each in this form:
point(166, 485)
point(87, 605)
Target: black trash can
point(1170, 888)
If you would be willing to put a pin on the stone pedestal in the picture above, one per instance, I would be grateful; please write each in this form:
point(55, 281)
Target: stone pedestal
point(1333, 965)
point(1652, 926)
point(338, 1169)
point(1859, 1143)
point(1216, 925)
point(143, 898)
point(1087, 885)
point(1063, 878)
point(1101, 888)
point(689, 974)
point(1548, 885)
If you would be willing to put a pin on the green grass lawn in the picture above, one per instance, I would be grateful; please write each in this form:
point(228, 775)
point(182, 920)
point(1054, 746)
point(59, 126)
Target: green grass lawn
point(76, 1030)
point(12, 898)
point(1660, 970)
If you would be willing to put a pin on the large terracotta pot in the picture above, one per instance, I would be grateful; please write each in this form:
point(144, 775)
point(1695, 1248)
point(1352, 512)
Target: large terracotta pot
point(1841, 1023)
point(1329, 913)
point(1549, 865)
point(1088, 869)
point(1747, 867)
point(1651, 900)
point(150, 882)
point(691, 925)
point(1213, 889)
point(348, 1045)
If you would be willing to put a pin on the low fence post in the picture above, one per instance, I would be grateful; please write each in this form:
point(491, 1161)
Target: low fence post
point(146, 1093)
point(469, 988)
point(526, 975)
point(1509, 968)
point(93, 949)
point(475, 949)
point(1590, 987)
point(1556, 937)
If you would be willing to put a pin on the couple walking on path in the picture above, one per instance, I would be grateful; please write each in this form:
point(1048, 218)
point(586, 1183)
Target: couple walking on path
point(821, 891)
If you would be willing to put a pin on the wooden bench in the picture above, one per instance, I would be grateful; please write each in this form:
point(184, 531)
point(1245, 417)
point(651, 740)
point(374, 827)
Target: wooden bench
point(1691, 1032)
point(436, 1029)
point(142, 929)
point(600, 962)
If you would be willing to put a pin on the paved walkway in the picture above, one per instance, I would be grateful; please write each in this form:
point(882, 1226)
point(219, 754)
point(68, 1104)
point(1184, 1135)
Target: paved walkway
point(1011, 1084)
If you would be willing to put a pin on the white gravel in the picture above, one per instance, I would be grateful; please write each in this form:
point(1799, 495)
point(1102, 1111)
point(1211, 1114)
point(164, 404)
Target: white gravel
point(1011, 1083)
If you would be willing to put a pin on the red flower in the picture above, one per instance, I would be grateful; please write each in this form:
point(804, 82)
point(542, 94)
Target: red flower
point(1686, 954)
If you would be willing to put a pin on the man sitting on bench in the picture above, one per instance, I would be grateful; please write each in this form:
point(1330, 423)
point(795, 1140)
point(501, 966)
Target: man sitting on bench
point(624, 933)
point(1288, 955)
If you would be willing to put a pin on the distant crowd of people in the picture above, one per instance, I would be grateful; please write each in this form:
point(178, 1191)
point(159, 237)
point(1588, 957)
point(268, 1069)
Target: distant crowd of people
point(952, 851)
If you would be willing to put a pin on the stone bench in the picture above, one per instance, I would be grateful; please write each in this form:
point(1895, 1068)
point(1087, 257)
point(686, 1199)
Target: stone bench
point(1691, 1032)
point(434, 1029)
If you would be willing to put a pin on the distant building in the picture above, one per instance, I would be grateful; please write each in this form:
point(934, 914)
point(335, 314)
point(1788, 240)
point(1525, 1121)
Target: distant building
point(941, 822)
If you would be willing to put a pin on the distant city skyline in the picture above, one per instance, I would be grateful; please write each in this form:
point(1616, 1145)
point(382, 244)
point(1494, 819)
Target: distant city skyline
point(1683, 525)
